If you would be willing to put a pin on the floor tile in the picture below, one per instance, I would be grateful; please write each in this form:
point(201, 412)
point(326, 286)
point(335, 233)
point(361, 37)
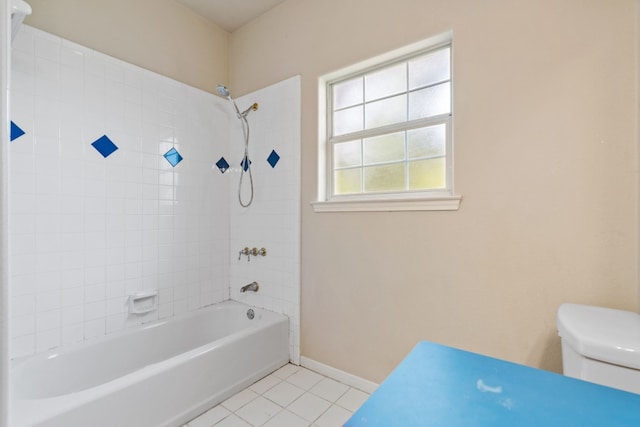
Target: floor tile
point(304, 378)
point(265, 384)
point(352, 399)
point(284, 393)
point(309, 406)
point(334, 416)
point(238, 400)
point(329, 389)
point(289, 397)
point(210, 417)
point(233, 421)
point(258, 411)
point(287, 419)
point(286, 371)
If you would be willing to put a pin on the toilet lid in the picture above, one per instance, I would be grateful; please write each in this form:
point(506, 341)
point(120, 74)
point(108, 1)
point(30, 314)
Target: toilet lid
point(599, 333)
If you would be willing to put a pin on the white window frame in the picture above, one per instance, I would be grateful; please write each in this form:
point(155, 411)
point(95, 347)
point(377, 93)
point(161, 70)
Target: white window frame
point(441, 199)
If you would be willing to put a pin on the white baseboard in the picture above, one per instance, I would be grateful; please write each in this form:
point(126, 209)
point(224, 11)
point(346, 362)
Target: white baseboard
point(338, 375)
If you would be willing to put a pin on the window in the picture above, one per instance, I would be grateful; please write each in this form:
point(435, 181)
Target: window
point(388, 134)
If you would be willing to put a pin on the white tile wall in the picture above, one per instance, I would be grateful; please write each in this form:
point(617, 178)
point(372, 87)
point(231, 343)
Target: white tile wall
point(87, 231)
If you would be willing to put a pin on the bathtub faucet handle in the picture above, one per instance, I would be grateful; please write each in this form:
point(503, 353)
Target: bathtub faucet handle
point(246, 251)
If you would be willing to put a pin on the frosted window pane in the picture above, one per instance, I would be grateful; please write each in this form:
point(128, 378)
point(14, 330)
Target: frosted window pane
point(386, 82)
point(430, 102)
point(426, 142)
point(429, 69)
point(385, 148)
point(384, 178)
point(427, 174)
point(386, 112)
point(347, 181)
point(347, 94)
point(347, 154)
point(346, 121)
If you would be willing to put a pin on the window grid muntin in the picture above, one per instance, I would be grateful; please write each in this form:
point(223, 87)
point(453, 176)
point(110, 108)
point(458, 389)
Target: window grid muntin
point(406, 158)
point(438, 83)
point(406, 161)
point(377, 131)
point(387, 130)
point(407, 109)
point(405, 58)
point(361, 75)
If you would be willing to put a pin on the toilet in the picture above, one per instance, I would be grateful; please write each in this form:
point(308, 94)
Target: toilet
point(600, 345)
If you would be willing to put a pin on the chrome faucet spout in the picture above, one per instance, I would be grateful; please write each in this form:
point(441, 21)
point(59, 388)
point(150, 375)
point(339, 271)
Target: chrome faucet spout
point(253, 287)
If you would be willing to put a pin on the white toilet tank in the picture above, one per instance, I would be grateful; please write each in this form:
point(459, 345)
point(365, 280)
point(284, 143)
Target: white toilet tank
point(600, 345)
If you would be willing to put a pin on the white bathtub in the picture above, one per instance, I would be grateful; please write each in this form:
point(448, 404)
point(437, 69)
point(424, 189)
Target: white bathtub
point(162, 374)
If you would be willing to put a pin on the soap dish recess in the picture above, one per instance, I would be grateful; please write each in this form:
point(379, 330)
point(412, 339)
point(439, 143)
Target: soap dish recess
point(143, 302)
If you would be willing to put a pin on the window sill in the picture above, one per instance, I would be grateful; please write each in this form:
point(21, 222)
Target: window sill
point(448, 203)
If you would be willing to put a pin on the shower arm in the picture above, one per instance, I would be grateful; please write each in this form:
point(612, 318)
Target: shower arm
point(253, 107)
point(243, 115)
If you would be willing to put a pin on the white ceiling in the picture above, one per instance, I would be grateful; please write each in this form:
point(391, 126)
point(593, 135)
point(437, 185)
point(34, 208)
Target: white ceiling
point(230, 14)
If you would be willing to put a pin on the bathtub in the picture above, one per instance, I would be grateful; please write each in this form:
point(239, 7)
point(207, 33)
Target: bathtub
point(161, 374)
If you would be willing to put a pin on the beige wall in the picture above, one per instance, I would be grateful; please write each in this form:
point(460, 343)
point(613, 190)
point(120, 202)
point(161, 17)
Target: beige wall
point(545, 139)
point(159, 35)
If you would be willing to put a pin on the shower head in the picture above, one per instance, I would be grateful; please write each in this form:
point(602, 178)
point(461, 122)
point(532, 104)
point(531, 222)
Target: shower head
point(223, 91)
point(19, 9)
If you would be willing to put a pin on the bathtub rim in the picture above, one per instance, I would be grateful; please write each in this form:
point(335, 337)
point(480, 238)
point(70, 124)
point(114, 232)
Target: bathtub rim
point(58, 351)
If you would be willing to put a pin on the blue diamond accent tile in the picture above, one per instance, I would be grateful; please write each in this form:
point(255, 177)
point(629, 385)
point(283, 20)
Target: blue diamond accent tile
point(173, 157)
point(16, 132)
point(273, 158)
point(245, 163)
point(104, 146)
point(222, 164)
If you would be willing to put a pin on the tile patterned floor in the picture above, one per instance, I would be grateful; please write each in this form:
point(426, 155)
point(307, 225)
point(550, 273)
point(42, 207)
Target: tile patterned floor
point(292, 396)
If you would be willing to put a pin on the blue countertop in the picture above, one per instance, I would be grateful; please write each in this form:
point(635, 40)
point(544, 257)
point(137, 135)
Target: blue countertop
point(441, 386)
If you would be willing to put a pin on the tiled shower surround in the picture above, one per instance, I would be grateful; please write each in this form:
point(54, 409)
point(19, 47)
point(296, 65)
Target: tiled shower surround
point(272, 221)
point(114, 191)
